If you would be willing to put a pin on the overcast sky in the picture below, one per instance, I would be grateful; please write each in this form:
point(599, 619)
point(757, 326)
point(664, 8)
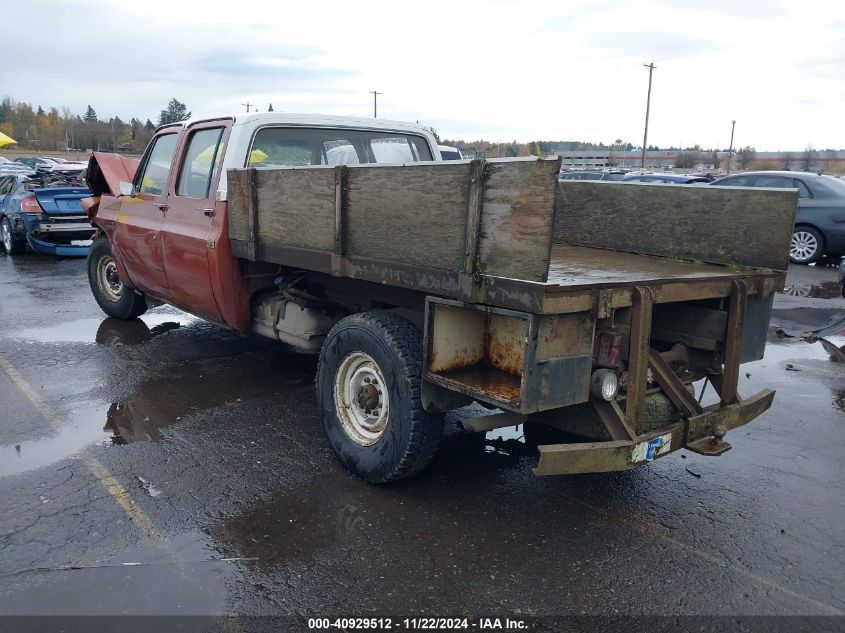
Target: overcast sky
point(499, 70)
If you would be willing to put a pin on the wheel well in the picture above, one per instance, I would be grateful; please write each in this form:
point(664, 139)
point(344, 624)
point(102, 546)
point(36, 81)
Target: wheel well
point(807, 224)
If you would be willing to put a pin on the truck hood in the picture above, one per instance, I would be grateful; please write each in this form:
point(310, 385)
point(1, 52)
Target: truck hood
point(107, 171)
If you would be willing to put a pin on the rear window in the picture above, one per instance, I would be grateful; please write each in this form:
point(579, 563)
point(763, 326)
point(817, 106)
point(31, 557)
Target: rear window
point(278, 146)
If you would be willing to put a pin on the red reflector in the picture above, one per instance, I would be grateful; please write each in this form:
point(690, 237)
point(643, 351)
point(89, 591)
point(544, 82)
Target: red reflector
point(607, 349)
point(30, 205)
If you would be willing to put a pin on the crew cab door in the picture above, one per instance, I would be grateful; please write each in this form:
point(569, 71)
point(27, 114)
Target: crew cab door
point(138, 225)
point(187, 231)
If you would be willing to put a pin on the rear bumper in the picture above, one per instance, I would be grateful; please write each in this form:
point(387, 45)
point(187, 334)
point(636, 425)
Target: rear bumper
point(50, 248)
point(701, 433)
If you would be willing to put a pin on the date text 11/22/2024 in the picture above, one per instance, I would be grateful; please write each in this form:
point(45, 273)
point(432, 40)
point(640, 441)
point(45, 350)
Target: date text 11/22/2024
point(418, 624)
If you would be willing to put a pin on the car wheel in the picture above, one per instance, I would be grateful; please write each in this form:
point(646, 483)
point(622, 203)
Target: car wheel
point(12, 244)
point(368, 391)
point(807, 245)
point(114, 297)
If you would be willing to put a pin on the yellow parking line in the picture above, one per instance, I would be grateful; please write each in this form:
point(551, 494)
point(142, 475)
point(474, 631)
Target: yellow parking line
point(108, 481)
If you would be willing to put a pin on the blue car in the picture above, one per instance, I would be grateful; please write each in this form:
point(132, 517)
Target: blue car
point(48, 218)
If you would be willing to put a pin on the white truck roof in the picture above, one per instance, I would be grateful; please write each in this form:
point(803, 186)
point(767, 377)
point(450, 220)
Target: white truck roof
point(245, 125)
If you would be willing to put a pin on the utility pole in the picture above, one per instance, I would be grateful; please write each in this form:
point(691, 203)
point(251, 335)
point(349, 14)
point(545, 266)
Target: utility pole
point(731, 148)
point(248, 105)
point(375, 102)
point(651, 68)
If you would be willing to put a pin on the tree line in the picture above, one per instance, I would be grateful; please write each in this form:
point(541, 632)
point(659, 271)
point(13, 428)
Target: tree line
point(57, 129)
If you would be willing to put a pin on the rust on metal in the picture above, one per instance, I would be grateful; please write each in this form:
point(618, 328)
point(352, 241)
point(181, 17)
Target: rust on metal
point(614, 420)
point(672, 386)
point(106, 172)
point(729, 417)
point(733, 341)
point(638, 357)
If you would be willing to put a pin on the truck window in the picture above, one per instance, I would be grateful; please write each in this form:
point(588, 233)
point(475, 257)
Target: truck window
point(393, 149)
point(200, 162)
point(152, 178)
point(324, 146)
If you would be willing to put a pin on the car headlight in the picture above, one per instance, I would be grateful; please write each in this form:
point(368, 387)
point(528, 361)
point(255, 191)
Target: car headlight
point(604, 384)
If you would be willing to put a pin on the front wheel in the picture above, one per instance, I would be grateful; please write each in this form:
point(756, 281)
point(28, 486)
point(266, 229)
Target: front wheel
point(12, 244)
point(116, 299)
point(807, 245)
point(368, 390)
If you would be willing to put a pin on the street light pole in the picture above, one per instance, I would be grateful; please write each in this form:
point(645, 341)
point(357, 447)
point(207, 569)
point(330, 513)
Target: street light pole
point(375, 102)
point(731, 148)
point(651, 68)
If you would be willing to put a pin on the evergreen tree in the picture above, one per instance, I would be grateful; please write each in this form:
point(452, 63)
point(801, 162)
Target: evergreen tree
point(176, 111)
point(90, 115)
point(270, 109)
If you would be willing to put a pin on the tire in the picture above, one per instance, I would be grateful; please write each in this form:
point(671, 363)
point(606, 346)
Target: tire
point(807, 245)
point(12, 244)
point(379, 435)
point(116, 299)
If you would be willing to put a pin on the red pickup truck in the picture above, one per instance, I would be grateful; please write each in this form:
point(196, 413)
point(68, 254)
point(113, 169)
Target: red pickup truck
point(427, 284)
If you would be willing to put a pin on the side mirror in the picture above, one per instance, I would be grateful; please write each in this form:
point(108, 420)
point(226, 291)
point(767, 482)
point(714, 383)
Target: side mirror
point(126, 189)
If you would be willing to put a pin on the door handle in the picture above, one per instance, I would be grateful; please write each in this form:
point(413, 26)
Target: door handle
point(161, 206)
point(207, 212)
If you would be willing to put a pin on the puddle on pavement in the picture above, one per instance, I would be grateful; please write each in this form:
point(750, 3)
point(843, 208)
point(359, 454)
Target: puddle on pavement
point(180, 391)
point(188, 388)
point(84, 429)
point(110, 332)
point(826, 290)
point(790, 361)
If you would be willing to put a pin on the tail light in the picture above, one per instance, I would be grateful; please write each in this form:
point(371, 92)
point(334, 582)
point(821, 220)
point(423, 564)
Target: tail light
point(30, 205)
point(607, 349)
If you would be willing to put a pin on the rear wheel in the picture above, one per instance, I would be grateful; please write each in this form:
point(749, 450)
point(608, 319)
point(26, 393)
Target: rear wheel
point(12, 244)
point(807, 245)
point(113, 296)
point(368, 390)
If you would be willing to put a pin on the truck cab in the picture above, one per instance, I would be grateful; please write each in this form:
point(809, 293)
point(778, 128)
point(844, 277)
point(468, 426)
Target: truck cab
point(169, 233)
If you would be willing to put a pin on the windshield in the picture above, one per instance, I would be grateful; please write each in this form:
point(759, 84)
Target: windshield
point(278, 146)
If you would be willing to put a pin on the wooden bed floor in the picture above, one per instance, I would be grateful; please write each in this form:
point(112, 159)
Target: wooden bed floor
point(575, 266)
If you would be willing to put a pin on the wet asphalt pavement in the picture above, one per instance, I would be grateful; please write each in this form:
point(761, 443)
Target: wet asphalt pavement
point(197, 456)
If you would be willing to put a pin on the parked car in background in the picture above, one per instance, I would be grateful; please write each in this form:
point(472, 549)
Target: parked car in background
point(34, 211)
point(669, 179)
point(591, 175)
point(820, 222)
point(450, 153)
point(11, 167)
point(53, 165)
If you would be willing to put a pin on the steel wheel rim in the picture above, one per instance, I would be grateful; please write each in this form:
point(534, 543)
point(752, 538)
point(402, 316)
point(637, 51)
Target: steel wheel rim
point(361, 398)
point(7, 236)
point(108, 280)
point(803, 246)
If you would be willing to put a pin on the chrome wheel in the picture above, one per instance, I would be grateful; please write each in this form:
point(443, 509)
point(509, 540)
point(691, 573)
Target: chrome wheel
point(361, 398)
point(107, 279)
point(804, 246)
point(7, 236)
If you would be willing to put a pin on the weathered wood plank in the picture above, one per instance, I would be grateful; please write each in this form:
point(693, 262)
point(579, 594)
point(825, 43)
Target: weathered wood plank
point(517, 219)
point(410, 214)
point(723, 225)
point(296, 207)
point(238, 198)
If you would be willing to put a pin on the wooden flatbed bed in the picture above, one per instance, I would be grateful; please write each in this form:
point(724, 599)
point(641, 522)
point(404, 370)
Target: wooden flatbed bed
point(525, 279)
